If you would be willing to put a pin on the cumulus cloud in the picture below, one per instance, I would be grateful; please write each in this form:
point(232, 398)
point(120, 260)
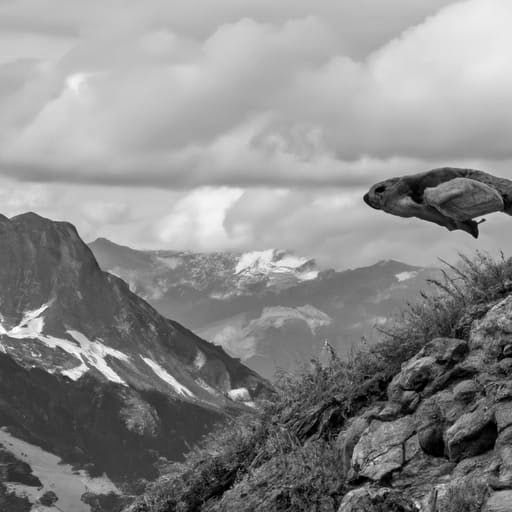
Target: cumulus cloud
point(258, 102)
point(259, 124)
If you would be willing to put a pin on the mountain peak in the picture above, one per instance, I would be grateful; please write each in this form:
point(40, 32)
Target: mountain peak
point(60, 311)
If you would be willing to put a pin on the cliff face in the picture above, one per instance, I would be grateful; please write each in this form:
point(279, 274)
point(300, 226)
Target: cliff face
point(443, 439)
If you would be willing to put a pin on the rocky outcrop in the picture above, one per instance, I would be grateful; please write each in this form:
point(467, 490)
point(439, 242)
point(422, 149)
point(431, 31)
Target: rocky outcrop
point(445, 432)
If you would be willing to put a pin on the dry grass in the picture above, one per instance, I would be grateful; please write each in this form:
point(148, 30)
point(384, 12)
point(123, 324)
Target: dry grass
point(469, 496)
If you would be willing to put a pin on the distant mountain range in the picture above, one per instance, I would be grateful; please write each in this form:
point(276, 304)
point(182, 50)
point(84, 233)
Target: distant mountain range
point(272, 309)
point(92, 374)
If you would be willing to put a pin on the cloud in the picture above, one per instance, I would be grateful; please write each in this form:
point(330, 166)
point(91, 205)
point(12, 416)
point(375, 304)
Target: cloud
point(196, 220)
point(258, 125)
point(261, 101)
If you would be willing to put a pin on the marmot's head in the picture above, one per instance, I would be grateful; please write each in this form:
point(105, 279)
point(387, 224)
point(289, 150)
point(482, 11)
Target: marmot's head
point(379, 195)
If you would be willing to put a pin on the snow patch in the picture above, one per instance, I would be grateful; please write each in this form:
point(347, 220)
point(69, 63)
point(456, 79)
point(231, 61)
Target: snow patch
point(68, 483)
point(200, 360)
point(163, 374)
point(273, 261)
point(239, 395)
point(89, 353)
point(30, 326)
point(206, 386)
point(404, 276)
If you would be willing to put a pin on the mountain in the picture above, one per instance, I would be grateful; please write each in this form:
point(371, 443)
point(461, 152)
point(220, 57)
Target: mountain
point(272, 309)
point(91, 373)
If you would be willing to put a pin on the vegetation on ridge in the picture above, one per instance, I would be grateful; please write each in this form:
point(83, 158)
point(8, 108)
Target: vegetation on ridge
point(285, 458)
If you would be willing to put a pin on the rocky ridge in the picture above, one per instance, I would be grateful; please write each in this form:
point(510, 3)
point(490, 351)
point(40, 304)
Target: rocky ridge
point(445, 432)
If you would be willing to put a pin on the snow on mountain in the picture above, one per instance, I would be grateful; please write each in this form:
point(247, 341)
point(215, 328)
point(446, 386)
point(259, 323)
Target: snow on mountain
point(86, 352)
point(404, 276)
point(274, 261)
point(222, 276)
point(163, 374)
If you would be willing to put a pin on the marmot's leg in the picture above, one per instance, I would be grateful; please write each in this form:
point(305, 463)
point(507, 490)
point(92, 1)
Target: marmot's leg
point(469, 226)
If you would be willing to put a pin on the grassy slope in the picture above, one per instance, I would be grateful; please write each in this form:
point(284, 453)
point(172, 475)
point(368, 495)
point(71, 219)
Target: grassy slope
point(285, 458)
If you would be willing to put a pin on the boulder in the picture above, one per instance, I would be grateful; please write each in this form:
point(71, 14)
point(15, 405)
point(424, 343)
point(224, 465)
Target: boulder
point(466, 391)
point(429, 421)
point(431, 440)
point(451, 409)
point(416, 374)
point(380, 449)
point(472, 434)
point(401, 400)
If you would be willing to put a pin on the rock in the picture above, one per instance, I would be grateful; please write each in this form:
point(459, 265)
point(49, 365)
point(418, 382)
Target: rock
point(500, 501)
point(444, 438)
point(504, 437)
point(431, 440)
point(502, 475)
point(380, 449)
point(416, 374)
point(429, 425)
point(505, 366)
point(461, 371)
point(349, 440)
point(446, 350)
point(401, 401)
point(494, 331)
point(376, 500)
point(391, 411)
point(480, 465)
point(503, 390)
point(451, 409)
point(466, 391)
point(472, 434)
point(503, 415)
point(48, 499)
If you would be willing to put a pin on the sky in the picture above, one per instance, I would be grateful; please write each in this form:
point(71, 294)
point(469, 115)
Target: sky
point(251, 124)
